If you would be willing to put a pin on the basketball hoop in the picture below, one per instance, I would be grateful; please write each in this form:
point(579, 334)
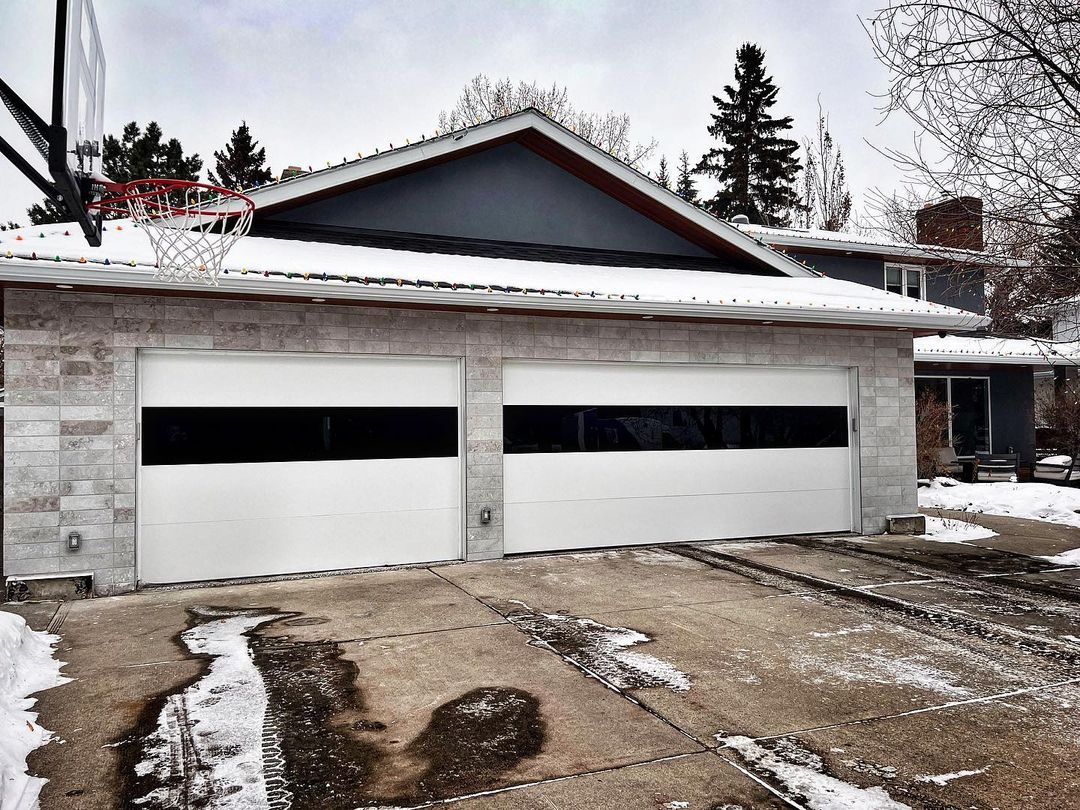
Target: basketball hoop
point(191, 226)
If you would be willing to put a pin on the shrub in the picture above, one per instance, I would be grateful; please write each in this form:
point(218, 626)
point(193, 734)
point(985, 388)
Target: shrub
point(931, 433)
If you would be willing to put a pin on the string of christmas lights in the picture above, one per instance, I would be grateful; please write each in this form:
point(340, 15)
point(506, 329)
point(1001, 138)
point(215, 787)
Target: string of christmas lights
point(384, 281)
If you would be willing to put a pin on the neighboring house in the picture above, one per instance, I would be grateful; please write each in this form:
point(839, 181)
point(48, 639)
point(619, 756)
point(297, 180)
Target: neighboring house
point(501, 340)
point(989, 382)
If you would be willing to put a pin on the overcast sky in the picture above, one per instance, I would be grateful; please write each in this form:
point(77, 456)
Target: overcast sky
point(318, 81)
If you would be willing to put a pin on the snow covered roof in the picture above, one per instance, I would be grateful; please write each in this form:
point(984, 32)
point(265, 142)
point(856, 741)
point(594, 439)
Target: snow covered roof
point(262, 266)
point(529, 127)
point(854, 243)
point(997, 350)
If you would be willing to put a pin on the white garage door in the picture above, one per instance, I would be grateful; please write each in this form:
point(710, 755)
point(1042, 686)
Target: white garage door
point(255, 464)
point(603, 454)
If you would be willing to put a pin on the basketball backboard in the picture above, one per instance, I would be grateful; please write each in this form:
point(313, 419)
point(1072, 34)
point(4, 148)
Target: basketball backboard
point(72, 142)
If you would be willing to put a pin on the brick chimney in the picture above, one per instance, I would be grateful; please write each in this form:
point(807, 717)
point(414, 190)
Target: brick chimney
point(952, 223)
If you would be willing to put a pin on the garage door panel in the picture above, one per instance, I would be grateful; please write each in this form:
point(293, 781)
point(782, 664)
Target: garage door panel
point(555, 476)
point(189, 552)
point(551, 525)
point(208, 379)
point(540, 383)
point(604, 454)
point(221, 492)
point(261, 463)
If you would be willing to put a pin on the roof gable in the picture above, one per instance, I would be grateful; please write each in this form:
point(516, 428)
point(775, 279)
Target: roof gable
point(558, 146)
point(505, 194)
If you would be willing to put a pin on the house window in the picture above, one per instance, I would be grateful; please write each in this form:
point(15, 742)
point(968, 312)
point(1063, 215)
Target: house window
point(905, 279)
point(968, 399)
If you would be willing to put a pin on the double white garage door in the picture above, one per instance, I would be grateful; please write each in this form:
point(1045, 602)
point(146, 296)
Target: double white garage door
point(255, 464)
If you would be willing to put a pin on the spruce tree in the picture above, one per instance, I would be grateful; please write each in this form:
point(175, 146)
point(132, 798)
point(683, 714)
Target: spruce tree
point(139, 155)
point(684, 184)
point(755, 165)
point(241, 165)
point(135, 155)
point(1061, 250)
point(48, 212)
point(662, 174)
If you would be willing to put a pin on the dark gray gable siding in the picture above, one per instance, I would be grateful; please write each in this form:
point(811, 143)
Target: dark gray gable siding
point(506, 194)
point(962, 289)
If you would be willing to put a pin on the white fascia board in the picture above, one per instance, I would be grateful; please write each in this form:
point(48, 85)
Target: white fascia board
point(893, 251)
point(995, 359)
point(141, 281)
point(1010, 360)
point(328, 179)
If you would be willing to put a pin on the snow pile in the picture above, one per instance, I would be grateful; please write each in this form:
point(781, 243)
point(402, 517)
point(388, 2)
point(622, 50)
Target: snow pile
point(26, 666)
point(1031, 501)
point(951, 530)
point(803, 773)
point(209, 738)
point(1070, 557)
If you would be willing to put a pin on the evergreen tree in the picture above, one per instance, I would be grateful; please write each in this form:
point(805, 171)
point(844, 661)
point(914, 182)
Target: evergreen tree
point(241, 165)
point(684, 184)
point(136, 155)
point(9, 226)
point(1061, 250)
point(139, 155)
point(48, 212)
point(756, 167)
point(662, 174)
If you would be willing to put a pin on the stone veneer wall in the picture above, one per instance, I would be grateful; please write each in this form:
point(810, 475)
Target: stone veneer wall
point(70, 377)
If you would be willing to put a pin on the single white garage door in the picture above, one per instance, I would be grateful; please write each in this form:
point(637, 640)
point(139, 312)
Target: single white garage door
point(604, 454)
point(255, 464)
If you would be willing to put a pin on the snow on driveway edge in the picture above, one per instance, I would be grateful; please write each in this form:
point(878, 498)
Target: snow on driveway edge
point(26, 666)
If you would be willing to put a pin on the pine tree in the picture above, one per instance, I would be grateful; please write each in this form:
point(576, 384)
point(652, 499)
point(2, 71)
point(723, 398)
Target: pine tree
point(1061, 251)
point(662, 174)
point(241, 165)
point(756, 167)
point(135, 155)
point(139, 155)
point(48, 212)
point(684, 184)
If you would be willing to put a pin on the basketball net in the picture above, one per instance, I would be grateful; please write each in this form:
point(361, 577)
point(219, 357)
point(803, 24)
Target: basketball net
point(191, 226)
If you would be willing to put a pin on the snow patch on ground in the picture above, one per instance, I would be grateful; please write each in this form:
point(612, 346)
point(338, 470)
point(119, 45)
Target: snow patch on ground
point(26, 666)
point(665, 559)
point(208, 745)
point(1028, 500)
point(803, 773)
point(602, 649)
point(951, 530)
point(1071, 557)
point(879, 666)
point(943, 779)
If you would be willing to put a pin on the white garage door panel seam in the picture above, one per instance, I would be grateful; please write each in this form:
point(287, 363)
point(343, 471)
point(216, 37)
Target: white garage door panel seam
point(732, 493)
point(358, 513)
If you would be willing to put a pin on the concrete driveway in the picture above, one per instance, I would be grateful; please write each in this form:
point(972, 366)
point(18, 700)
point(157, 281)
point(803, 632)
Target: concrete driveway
point(882, 673)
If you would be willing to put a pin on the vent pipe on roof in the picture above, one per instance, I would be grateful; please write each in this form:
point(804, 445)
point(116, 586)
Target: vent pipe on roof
point(740, 219)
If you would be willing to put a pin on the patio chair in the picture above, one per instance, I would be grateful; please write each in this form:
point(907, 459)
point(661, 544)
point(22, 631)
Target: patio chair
point(996, 467)
point(948, 462)
point(1056, 469)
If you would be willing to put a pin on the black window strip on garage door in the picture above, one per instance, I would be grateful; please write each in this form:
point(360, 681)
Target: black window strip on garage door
point(611, 428)
point(252, 435)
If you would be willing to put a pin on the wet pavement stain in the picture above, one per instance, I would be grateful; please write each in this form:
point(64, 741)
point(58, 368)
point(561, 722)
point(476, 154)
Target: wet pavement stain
point(600, 650)
point(475, 739)
point(274, 723)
